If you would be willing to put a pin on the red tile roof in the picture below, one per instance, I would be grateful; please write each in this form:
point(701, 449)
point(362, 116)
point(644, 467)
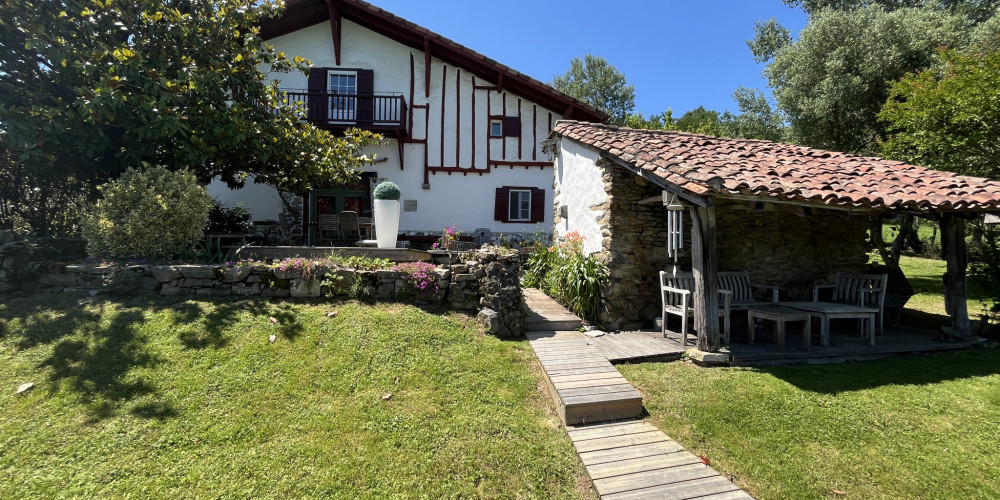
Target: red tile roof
point(705, 165)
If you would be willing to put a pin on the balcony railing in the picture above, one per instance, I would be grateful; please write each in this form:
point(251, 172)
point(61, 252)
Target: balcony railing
point(377, 111)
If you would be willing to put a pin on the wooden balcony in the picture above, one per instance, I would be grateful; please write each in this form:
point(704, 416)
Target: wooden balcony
point(383, 112)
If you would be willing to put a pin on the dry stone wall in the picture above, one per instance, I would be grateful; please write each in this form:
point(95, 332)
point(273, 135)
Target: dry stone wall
point(485, 280)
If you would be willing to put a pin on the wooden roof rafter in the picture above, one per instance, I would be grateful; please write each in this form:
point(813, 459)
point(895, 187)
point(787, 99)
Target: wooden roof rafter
point(335, 22)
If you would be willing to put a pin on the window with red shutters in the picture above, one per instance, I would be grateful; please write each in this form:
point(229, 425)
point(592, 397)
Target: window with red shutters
point(519, 204)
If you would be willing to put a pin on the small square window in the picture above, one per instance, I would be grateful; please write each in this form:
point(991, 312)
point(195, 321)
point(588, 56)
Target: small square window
point(520, 206)
point(496, 128)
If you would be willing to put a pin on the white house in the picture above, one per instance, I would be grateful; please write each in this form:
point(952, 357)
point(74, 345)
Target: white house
point(464, 131)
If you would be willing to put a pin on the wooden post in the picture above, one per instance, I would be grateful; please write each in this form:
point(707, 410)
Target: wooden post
point(706, 286)
point(954, 254)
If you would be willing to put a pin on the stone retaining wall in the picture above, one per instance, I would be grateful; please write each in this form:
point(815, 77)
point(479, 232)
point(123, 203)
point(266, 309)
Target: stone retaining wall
point(484, 280)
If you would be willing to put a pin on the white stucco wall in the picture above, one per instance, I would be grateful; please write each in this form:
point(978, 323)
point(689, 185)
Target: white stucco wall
point(466, 200)
point(261, 200)
point(579, 186)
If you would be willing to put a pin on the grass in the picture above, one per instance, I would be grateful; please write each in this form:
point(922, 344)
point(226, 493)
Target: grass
point(911, 427)
point(162, 398)
point(914, 427)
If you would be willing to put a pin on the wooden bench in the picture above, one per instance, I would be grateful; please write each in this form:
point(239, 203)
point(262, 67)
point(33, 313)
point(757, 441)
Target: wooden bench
point(676, 293)
point(738, 282)
point(862, 290)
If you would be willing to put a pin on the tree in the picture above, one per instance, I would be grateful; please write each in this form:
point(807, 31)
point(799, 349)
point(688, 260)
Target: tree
point(831, 83)
point(699, 121)
point(598, 83)
point(757, 119)
point(947, 118)
point(974, 10)
point(90, 89)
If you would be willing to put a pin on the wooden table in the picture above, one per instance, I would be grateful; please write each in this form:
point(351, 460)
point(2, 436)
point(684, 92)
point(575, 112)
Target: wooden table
point(834, 310)
point(780, 315)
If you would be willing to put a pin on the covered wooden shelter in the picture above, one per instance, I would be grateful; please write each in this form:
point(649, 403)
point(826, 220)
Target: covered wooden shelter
point(775, 209)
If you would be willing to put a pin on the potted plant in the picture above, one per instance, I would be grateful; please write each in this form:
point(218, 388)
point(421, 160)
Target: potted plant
point(386, 214)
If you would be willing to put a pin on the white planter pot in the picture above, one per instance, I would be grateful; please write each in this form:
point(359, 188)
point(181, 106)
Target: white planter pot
point(386, 222)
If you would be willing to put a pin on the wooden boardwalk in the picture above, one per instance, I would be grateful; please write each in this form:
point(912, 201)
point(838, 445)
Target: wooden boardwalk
point(584, 384)
point(625, 458)
point(634, 459)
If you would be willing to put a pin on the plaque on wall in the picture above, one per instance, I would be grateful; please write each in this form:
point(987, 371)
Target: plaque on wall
point(409, 205)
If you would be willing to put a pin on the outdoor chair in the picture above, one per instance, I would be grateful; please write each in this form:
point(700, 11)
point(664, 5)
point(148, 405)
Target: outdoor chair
point(677, 294)
point(863, 290)
point(350, 229)
point(738, 282)
point(329, 228)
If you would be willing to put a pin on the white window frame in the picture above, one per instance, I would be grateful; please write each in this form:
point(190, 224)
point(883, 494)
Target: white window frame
point(522, 207)
point(349, 113)
point(496, 128)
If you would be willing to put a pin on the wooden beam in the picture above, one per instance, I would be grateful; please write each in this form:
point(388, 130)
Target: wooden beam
point(854, 210)
point(569, 112)
point(499, 81)
point(704, 265)
point(331, 9)
point(954, 254)
point(427, 67)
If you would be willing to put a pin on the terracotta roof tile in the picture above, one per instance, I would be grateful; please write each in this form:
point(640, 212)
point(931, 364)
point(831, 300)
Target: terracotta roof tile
point(703, 165)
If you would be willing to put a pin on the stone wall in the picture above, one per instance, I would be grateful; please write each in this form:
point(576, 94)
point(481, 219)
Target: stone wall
point(783, 245)
point(486, 280)
point(789, 245)
point(634, 247)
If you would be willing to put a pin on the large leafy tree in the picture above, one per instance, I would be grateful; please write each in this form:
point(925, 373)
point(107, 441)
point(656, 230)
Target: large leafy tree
point(598, 83)
point(948, 117)
point(88, 89)
point(831, 82)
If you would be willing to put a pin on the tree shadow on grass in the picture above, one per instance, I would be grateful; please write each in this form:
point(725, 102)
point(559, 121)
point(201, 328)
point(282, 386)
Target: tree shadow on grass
point(98, 369)
point(914, 370)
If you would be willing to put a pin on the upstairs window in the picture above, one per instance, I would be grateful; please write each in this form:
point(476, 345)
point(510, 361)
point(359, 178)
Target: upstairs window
point(505, 126)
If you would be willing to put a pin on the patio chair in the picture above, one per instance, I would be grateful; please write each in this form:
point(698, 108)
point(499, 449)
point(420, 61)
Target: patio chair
point(738, 282)
point(350, 229)
point(329, 228)
point(676, 293)
point(863, 290)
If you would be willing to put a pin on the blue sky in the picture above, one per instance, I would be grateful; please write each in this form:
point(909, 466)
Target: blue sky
point(678, 53)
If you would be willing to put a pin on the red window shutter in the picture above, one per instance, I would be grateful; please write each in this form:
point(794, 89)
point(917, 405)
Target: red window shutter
point(537, 205)
point(316, 100)
point(501, 209)
point(366, 91)
point(511, 126)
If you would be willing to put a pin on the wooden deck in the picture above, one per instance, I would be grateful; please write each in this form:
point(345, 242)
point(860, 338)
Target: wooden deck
point(636, 346)
point(583, 383)
point(634, 459)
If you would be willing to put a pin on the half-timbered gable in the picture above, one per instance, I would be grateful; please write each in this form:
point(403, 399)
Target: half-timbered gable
point(464, 132)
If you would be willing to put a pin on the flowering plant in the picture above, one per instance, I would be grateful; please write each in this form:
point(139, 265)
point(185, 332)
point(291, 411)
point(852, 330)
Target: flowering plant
point(451, 234)
point(419, 275)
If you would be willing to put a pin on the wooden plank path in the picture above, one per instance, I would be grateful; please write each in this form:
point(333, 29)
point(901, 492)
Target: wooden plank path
point(625, 458)
point(634, 459)
point(583, 383)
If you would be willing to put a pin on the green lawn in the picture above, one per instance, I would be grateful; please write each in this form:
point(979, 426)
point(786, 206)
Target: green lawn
point(174, 398)
point(912, 427)
point(922, 426)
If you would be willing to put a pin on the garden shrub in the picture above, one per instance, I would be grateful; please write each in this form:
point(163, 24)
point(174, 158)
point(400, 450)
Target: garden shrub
point(564, 273)
point(150, 214)
point(225, 219)
point(419, 276)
